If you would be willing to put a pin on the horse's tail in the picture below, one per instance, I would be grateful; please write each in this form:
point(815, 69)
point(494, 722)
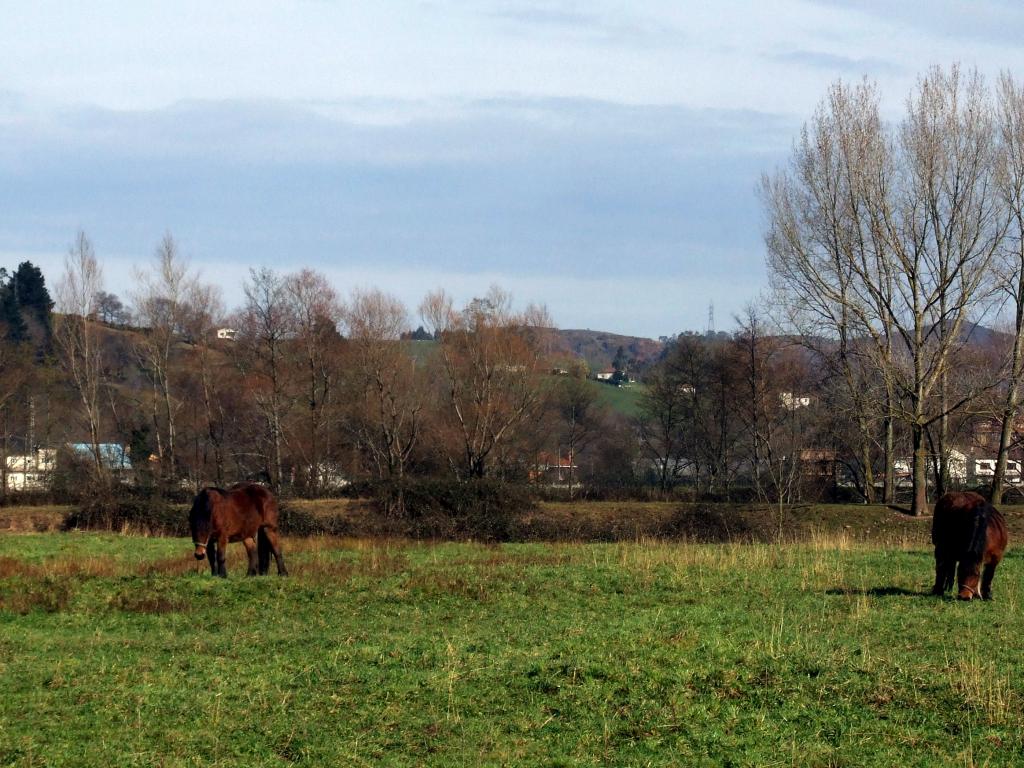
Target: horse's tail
point(263, 548)
point(979, 530)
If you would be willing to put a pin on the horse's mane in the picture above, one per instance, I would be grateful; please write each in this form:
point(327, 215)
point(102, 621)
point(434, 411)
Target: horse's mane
point(203, 503)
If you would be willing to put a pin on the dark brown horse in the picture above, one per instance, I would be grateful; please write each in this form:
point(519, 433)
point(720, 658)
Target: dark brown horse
point(245, 512)
point(968, 531)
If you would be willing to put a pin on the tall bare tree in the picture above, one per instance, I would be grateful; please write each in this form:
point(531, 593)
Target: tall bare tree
point(77, 336)
point(1011, 261)
point(821, 228)
point(161, 300)
point(491, 357)
point(316, 312)
point(204, 313)
point(391, 381)
point(265, 347)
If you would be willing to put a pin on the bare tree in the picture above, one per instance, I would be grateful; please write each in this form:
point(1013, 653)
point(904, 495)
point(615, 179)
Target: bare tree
point(204, 311)
point(661, 424)
point(491, 357)
point(316, 312)
point(77, 335)
point(161, 307)
point(820, 230)
point(1011, 261)
point(390, 379)
point(580, 415)
point(265, 355)
point(754, 348)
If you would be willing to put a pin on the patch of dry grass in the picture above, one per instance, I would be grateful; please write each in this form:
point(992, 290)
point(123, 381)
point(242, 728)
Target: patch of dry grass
point(32, 519)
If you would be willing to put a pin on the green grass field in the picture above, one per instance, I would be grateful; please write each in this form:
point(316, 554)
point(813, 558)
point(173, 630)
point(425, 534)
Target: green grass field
point(122, 651)
point(623, 400)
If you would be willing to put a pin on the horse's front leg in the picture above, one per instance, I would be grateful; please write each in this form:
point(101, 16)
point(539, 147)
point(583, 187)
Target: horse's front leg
point(250, 549)
point(944, 572)
point(211, 555)
point(986, 579)
point(222, 556)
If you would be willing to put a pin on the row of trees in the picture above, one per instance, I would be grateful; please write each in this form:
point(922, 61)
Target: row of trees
point(886, 242)
point(313, 388)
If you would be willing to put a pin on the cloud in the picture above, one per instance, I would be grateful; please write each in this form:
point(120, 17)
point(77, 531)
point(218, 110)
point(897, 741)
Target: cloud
point(619, 25)
point(839, 63)
point(992, 22)
point(540, 192)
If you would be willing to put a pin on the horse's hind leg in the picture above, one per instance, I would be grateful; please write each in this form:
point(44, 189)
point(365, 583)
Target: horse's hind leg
point(250, 550)
point(264, 551)
point(275, 547)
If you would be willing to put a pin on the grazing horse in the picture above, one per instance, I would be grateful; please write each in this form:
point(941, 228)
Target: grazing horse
point(966, 529)
point(244, 512)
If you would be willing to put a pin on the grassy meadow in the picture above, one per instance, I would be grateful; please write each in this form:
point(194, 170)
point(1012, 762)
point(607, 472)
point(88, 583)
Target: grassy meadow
point(121, 651)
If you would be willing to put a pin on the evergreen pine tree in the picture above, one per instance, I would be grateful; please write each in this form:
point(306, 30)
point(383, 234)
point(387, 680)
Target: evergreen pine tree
point(32, 295)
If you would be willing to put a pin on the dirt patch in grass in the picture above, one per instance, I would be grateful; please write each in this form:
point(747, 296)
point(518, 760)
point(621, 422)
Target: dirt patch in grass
point(49, 595)
point(149, 602)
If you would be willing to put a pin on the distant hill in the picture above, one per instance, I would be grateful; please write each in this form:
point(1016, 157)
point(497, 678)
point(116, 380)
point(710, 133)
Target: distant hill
point(599, 348)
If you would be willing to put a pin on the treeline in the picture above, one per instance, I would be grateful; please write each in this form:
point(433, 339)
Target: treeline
point(299, 387)
point(316, 393)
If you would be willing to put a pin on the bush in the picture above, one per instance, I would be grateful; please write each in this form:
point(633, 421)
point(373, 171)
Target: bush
point(149, 516)
point(293, 521)
point(452, 509)
point(719, 524)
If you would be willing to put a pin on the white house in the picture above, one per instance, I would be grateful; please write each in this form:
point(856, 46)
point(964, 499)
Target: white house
point(30, 472)
point(791, 401)
point(227, 333)
point(962, 469)
point(985, 469)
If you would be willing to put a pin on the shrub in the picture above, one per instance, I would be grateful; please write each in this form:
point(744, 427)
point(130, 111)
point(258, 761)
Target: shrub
point(725, 523)
point(454, 509)
point(150, 516)
point(298, 522)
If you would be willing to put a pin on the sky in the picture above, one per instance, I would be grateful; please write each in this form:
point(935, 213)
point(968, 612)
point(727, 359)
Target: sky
point(601, 158)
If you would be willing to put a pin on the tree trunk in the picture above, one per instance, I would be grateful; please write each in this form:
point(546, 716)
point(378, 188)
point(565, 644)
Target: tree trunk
point(1005, 436)
point(919, 505)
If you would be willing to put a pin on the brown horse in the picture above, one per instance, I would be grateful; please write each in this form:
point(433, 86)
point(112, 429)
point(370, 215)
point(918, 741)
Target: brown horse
point(966, 529)
point(244, 512)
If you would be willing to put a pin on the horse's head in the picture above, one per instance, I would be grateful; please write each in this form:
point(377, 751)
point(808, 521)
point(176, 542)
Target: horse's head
point(970, 580)
point(200, 522)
